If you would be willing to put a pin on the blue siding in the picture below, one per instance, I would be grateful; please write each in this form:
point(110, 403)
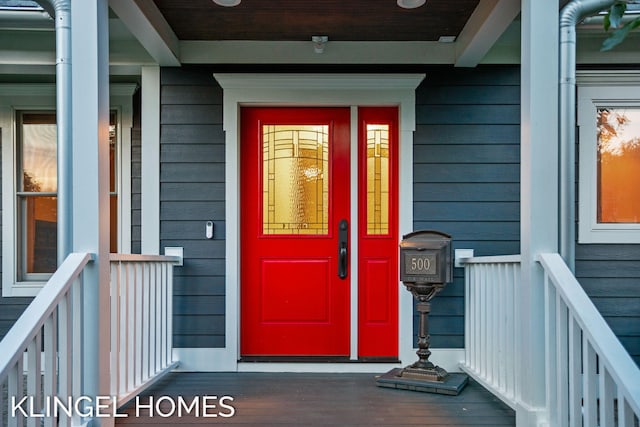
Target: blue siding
point(610, 274)
point(191, 193)
point(467, 174)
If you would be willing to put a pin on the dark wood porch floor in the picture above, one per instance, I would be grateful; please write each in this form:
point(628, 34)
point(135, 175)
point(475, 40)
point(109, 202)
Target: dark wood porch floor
point(310, 400)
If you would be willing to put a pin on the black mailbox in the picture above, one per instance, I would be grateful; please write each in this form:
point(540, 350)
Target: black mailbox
point(425, 257)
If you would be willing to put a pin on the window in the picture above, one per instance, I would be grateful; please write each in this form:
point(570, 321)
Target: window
point(37, 193)
point(29, 182)
point(609, 198)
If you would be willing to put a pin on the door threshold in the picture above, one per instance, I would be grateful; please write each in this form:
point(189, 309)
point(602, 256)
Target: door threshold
point(343, 366)
point(315, 359)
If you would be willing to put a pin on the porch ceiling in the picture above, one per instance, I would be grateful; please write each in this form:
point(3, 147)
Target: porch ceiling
point(295, 20)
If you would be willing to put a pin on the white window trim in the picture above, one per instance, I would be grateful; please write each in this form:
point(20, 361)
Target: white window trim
point(593, 94)
point(14, 97)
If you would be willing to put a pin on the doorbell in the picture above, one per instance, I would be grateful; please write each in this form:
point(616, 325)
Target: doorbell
point(209, 230)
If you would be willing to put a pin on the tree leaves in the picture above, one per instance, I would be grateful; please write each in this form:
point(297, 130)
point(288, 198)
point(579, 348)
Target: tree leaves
point(613, 19)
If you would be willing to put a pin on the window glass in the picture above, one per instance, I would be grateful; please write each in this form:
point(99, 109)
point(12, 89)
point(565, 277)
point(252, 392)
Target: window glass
point(37, 193)
point(618, 145)
point(295, 166)
point(377, 179)
point(37, 187)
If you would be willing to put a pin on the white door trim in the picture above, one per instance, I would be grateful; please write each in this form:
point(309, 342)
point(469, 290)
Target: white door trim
point(311, 90)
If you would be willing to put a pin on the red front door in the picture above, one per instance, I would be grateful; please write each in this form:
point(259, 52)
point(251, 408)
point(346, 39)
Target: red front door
point(295, 283)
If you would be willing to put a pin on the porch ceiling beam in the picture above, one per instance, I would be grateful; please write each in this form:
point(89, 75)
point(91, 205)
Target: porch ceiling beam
point(487, 23)
point(148, 25)
point(302, 52)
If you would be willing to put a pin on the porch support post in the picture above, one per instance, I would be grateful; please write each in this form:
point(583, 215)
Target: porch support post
point(539, 196)
point(90, 119)
point(150, 186)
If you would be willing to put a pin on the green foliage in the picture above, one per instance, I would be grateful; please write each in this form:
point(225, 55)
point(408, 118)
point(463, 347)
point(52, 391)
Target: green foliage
point(613, 20)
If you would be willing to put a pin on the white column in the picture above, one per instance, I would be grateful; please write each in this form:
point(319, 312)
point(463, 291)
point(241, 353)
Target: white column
point(150, 198)
point(539, 194)
point(90, 136)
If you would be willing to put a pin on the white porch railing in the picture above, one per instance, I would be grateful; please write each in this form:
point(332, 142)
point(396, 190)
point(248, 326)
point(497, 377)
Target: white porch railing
point(41, 367)
point(590, 378)
point(141, 325)
point(54, 319)
point(491, 284)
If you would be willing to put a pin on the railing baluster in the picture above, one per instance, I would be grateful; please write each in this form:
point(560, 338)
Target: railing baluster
point(502, 326)
point(606, 393)
point(76, 344)
point(123, 323)
point(491, 327)
point(34, 377)
point(64, 348)
point(130, 324)
point(590, 381)
point(145, 322)
point(138, 287)
point(169, 346)
point(482, 286)
point(550, 347)
point(468, 310)
point(159, 341)
point(625, 413)
point(115, 333)
point(561, 362)
point(50, 365)
point(15, 387)
point(153, 316)
point(509, 319)
point(575, 374)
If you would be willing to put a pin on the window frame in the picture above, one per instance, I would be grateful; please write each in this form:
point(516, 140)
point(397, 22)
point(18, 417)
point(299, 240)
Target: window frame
point(42, 97)
point(591, 97)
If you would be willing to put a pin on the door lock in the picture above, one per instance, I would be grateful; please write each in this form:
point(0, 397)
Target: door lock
point(343, 249)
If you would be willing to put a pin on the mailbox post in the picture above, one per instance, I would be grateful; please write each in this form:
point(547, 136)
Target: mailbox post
point(426, 266)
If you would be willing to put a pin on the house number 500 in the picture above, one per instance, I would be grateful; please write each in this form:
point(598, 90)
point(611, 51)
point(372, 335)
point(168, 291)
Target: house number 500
point(418, 264)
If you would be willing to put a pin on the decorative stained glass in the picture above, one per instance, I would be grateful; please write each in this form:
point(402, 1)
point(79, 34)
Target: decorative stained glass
point(618, 165)
point(377, 179)
point(295, 179)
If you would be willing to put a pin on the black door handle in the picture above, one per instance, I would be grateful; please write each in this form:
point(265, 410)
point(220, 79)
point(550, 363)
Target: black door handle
point(343, 249)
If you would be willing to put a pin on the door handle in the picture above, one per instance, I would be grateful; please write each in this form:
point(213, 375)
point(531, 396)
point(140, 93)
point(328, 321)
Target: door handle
point(343, 249)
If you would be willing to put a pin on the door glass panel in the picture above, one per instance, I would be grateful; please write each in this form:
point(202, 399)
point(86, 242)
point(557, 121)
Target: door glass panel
point(295, 179)
point(377, 179)
point(618, 165)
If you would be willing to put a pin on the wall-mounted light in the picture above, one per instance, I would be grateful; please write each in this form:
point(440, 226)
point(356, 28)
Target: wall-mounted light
point(227, 3)
point(411, 4)
point(319, 42)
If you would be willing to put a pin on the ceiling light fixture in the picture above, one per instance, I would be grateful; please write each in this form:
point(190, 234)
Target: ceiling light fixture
point(319, 42)
point(227, 3)
point(411, 4)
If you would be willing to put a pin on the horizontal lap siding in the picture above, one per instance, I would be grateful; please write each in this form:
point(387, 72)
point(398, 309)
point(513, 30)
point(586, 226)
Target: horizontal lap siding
point(467, 174)
point(610, 274)
point(192, 174)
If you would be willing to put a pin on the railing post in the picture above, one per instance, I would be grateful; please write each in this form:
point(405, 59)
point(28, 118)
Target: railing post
point(539, 196)
point(90, 172)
